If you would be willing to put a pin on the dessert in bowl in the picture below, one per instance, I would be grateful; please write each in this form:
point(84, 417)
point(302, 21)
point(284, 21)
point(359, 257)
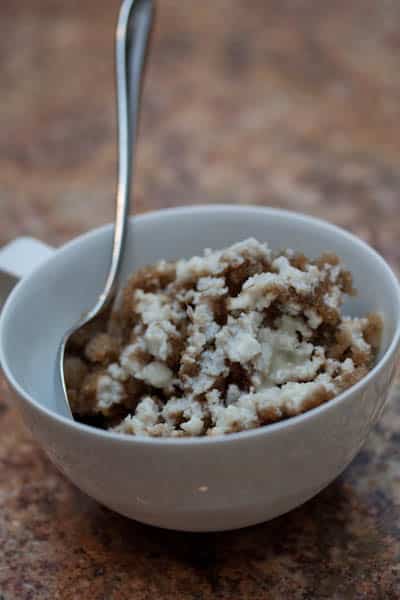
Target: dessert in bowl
point(231, 340)
point(201, 482)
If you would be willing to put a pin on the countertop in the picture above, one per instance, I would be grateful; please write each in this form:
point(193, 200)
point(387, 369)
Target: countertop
point(289, 103)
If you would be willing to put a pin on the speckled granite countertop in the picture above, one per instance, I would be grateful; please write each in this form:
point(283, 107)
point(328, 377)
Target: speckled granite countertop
point(292, 103)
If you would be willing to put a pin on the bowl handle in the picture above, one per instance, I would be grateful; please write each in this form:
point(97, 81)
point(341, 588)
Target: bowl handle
point(18, 259)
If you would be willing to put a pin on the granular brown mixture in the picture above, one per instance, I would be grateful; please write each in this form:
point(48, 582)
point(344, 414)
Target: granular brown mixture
point(224, 342)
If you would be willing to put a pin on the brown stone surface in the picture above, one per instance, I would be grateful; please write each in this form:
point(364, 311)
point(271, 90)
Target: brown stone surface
point(292, 103)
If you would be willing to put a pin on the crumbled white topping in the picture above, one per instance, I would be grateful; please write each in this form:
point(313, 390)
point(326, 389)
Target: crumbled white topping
point(212, 365)
point(257, 292)
point(152, 307)
point(354, 328)
point(130, 359)
point(156, 374)
point(347, 366)
point(156, 307)
point(117, 372)
point(232, 418)
point(238, 339)
point(293, 326)
point(250, 248)
point(214, 262)
point(187, 410)
point(294, 396)
point(198, 266)
point(334, 272)
point(257, 361)
point(233, 394)
point(144, 420)
point(285, 358)
point(313, 318)
point(147, 411)
point(302, 281)
point(260, 290)
point(213, 285)
point(292, 399)
point(293, 308)
point(109, 392)
point(194, 426)
point(333, 298)
point(157, 338)
point(202, 329)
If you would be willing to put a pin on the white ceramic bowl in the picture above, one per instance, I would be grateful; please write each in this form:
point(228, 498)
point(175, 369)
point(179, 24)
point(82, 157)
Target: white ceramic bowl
point(194, 484)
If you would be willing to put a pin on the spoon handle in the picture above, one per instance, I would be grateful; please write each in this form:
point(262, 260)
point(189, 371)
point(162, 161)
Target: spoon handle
point(132, 37)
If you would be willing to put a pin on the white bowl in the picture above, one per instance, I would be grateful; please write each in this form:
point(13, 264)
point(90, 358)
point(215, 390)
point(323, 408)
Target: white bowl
point(200, 484)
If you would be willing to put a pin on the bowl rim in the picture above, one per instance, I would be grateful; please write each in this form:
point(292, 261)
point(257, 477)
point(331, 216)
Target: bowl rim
point(270, 429)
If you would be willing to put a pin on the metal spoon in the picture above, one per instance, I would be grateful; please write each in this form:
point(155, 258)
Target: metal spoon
point(134, 25)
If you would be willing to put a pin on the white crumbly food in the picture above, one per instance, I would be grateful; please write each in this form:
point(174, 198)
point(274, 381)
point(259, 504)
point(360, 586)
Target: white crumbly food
point(243, 370)
point(109, 392)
